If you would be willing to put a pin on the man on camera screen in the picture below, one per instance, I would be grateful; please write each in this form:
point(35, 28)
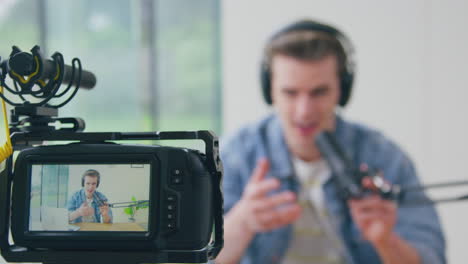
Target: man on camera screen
point(87, 204)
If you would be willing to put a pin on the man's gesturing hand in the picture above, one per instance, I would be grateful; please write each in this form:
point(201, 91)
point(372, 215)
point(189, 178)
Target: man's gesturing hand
point(262, 212)
point(85, 210)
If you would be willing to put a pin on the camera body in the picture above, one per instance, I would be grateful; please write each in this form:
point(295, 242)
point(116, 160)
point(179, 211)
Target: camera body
point(177, 189)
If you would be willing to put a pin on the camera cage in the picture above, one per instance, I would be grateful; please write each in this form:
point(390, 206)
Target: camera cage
point(30, 126)
point(20, 254)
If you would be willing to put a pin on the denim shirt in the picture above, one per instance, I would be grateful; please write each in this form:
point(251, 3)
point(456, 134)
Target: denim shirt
point(240, 152)
point(79, 197)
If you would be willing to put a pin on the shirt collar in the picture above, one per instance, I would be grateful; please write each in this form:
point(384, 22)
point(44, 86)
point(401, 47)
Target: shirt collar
point(278, 151)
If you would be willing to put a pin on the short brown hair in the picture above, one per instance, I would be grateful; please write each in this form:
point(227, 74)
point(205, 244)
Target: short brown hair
point(306, 45)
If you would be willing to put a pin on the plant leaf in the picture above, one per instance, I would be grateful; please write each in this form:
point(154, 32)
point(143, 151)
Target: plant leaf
point(128, 210)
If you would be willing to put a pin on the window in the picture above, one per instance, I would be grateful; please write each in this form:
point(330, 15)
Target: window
point(52, 190)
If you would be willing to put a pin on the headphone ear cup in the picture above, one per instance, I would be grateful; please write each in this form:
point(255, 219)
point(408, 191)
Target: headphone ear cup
point(265, 82)
point(346, 83)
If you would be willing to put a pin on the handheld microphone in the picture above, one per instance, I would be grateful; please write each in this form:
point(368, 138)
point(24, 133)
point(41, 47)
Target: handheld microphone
point(340, 166)
point(100, 202)
point(346, 176)
point(25, 64)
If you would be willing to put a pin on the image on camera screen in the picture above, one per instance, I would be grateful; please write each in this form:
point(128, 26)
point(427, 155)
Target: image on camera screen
point(89, 197)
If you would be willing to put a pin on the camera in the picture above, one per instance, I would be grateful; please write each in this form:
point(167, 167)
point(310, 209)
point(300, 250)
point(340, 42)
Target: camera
point(86, 197)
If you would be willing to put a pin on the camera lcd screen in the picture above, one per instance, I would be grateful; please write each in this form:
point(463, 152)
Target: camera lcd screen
point(89, 197)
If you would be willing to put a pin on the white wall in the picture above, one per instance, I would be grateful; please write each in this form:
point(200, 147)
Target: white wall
point(411, 82)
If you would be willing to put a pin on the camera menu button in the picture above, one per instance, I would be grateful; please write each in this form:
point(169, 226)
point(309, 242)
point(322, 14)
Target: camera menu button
point(177, 177)
point(170, 207)
point(176, 180)
point(171, 198)
point(171, 225)
point(171, 211)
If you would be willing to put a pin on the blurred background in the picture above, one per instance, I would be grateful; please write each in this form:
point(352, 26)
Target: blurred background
point(189, 65)
point(157, 62)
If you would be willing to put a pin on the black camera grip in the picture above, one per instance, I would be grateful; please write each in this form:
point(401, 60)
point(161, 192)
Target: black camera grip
point(218, 203)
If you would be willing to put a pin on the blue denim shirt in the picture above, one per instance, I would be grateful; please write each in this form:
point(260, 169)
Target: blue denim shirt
point(240, 152)
point(79, 197)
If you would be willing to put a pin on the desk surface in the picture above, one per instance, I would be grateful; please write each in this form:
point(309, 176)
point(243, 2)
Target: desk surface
point(135, 227)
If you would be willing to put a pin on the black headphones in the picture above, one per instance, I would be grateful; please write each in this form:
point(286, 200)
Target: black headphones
point(347, 76)
point(91, 173)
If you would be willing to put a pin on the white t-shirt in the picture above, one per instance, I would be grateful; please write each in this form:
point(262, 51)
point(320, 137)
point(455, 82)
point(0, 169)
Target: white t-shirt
point(89, 218)
point(314, 238)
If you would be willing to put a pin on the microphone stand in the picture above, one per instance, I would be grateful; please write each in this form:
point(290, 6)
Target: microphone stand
point(348, 179)
point(420, 188)
point(130, 204)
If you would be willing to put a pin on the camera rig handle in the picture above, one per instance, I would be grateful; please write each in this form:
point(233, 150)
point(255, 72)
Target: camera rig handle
point(21, 140)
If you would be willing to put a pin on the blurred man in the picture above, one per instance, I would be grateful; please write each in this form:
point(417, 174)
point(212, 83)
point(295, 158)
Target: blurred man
point(87, 204)
point(281, 203)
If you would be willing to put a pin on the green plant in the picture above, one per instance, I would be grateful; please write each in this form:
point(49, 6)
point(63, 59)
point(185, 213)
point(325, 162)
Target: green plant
point(131, 210)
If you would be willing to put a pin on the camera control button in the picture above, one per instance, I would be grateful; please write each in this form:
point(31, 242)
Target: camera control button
point(171, 198)
point(171, 225)
point(170, 207)
point(177, 180)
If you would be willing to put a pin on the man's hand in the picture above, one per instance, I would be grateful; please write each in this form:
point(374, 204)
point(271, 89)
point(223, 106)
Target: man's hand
point(104, 210)
point(85, 210)
point(262, 212)
point(375, 218)
point(256, 212)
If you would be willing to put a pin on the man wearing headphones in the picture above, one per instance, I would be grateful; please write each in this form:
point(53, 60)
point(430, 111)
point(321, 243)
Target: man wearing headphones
point(281, 204)
point(87, 204)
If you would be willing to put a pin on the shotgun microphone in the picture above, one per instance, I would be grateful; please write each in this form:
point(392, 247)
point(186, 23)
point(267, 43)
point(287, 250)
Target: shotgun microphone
point(27, 64)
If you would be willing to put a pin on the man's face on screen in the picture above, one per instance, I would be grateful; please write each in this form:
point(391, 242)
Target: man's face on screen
point(90, 185)
point(305, 94)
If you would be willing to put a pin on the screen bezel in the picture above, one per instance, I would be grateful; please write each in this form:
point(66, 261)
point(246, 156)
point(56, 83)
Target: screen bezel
point(116, 155)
